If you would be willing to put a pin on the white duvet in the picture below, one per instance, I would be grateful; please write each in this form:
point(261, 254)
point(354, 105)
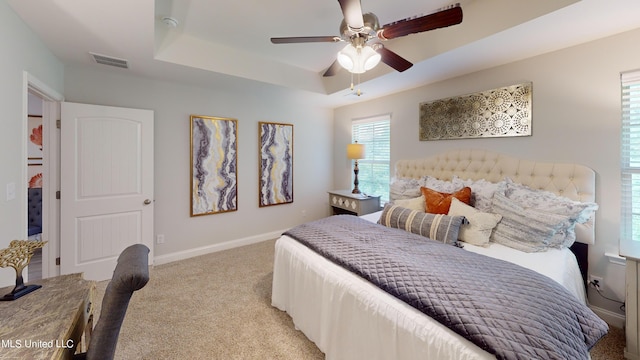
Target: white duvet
point(349, 318)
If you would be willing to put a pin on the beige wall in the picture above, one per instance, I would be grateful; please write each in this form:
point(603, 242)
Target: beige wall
point(172, 102)
point(247, 101)
point(576, 118)
point(21, 51)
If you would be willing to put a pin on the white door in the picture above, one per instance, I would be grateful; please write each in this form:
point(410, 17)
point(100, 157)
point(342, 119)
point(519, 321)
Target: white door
point(106, 185)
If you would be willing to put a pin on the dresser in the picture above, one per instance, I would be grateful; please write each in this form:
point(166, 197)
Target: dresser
point(344, 202)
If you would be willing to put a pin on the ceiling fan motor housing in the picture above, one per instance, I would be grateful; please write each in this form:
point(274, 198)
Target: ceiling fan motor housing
point(371, 26)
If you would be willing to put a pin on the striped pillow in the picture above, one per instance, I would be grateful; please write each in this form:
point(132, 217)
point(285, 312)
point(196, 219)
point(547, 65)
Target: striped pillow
point(442, 228)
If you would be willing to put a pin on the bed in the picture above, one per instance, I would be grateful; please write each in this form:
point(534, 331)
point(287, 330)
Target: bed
point(348, 317)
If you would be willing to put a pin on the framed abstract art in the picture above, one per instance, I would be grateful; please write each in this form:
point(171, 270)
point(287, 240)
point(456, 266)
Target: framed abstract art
point(214, 165)
point(275, 183)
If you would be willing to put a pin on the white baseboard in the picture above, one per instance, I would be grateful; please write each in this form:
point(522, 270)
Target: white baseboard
point(186, 254)
point(630, 356)
point(612, 318)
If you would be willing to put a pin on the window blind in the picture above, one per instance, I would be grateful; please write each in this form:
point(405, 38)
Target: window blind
point(630, 160)
point(375, 134)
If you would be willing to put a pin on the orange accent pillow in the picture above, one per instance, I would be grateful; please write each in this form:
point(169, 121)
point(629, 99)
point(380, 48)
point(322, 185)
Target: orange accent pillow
point(438, 202)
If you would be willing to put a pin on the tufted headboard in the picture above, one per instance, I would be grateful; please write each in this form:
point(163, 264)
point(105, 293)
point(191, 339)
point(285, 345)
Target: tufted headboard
point(35, 211)
point(576, 182)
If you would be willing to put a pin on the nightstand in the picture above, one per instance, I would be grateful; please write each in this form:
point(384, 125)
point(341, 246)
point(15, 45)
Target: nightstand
point(344, 202)
point(632, 305)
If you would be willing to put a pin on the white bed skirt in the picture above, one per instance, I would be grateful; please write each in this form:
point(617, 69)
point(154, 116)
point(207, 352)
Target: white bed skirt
point(348, 318)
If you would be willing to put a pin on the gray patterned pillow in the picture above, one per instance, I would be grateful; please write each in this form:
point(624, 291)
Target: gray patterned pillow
point(481, 191)
point(404, 188)
point(574, 211)
point(439, 185)
point(522, 228)
point(442, 228)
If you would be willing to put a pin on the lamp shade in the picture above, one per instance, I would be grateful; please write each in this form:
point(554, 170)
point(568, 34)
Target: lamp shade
point(355, 151)
point(358, 59)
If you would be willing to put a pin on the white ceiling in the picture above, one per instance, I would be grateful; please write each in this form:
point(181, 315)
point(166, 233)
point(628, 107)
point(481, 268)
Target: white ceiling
point(217, 42)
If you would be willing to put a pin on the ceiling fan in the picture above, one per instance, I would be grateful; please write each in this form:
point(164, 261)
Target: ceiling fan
point(364, 35)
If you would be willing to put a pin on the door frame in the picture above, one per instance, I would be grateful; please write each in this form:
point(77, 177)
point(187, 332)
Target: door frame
point(50, 168)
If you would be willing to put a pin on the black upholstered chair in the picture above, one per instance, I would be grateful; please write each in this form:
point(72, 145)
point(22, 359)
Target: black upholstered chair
point(131, 274)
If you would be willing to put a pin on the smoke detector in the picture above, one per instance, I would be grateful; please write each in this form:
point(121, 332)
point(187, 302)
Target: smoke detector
point(170, 22)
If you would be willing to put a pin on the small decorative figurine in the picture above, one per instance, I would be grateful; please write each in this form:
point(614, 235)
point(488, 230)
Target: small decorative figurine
point(18, 255)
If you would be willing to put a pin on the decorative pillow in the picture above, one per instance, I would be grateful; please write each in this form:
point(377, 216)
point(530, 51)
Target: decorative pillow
point(404, 188)
point(479, 226)
point(442, 228)
point(481, 191)
point(413, 204)
point(439, 185)
point(524, 229)
point(439, 202)
point(574, 211)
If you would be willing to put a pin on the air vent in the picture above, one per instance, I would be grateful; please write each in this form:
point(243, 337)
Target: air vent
point(111, 61)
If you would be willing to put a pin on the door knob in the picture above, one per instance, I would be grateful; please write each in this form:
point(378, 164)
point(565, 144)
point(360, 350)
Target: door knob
point(147, 202)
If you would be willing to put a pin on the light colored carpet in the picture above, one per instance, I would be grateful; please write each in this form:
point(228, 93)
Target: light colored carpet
point(218, 306)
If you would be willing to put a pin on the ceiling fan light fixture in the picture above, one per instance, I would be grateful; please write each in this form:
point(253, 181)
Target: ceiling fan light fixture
point(347, 56)
point(358, 60)
point(371, 58)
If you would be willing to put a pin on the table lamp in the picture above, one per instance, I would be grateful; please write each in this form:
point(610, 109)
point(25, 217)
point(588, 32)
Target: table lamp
point(354, 152)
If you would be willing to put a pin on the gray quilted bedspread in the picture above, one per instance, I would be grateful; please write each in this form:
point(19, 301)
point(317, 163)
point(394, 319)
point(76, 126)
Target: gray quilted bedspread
point(507, 310)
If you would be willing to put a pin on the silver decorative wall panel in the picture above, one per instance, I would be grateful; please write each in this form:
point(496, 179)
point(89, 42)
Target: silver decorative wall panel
point(499, 112)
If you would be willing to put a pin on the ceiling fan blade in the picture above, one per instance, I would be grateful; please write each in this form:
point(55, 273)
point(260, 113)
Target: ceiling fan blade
point(352, 12)
point(333, 69)
point(440, 19)
point(394, 60)
point(305, 39)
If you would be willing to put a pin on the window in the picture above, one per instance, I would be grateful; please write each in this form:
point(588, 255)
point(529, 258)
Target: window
point(375, 134)
point(630, 157)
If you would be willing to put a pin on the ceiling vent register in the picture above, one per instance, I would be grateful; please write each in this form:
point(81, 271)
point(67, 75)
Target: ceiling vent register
point(109, 60)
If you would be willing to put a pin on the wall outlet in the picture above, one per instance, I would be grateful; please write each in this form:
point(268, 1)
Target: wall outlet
point(160, 239)
point(593, 278)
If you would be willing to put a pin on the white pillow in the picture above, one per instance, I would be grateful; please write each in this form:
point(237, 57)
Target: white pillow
point(480, 224)
point(413, 204)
